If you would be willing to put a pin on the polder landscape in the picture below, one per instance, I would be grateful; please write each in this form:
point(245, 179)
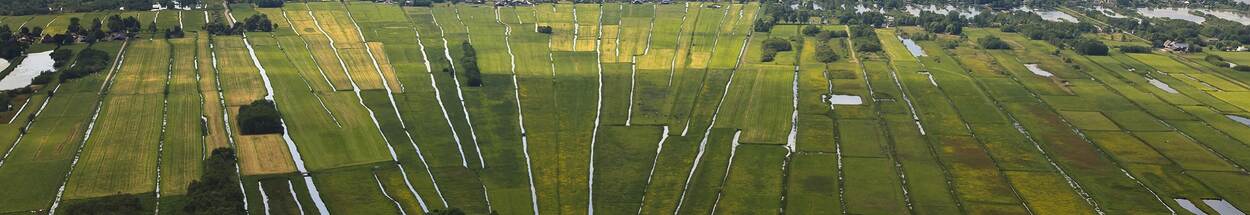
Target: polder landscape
point(624, 107)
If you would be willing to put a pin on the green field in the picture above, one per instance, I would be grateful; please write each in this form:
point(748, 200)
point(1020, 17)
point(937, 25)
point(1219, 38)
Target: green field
point(622, 109)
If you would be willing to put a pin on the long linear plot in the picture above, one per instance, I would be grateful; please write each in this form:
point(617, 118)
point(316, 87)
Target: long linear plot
point(134, 101)
point(450, 141)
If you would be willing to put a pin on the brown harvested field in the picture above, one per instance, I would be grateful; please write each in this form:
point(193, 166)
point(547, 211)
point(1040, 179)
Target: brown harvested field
point(384, 63)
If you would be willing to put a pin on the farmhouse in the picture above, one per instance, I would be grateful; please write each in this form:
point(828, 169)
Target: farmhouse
point(1176, 46)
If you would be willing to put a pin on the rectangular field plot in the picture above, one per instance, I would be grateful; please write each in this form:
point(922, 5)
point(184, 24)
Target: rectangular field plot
point(812, 187)
point(754, 182)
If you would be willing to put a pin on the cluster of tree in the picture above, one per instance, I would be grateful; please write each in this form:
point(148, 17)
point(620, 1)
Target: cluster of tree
point(468, 64)
point(772, 46)
point(61, 56)
point(13, 44)
point(417, 3)
point(992, 42)
point(546, 29)
point(260, 117)
point(1134, 49)
point(175, 32)
point(1060, 34)
point(1090, 47)
point(258, 22)
point(824, 53)
point(951, 23)
point(254, 23)
point(89, 61)
point(118, 28)
point(270, 3)
point(1226, 33)
point(865, 38)
point(28, 7)
point(117, 24)
point(217, 191)
point(869, 18)
point(23, 7)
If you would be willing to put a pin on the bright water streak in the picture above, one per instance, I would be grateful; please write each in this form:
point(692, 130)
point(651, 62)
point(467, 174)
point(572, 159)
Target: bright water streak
point(30, 67)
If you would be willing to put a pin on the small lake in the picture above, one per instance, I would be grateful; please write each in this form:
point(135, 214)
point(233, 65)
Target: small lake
point(1241, 119)
point(912, 47)
point(1189, 206)
point(34, 64)
point(1038, 70)
point(1162, 86)
point(1223, 207)
point(1183, 14)
point(836, 99)
point(1171, 13)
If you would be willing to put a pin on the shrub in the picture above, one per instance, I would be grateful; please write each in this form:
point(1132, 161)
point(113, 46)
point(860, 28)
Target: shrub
point(825, 54)
point(1134, 49)
point(867, 45)
point(763, 26)
point(1242, 68)
point(992, 42)
point(421, 3)
point(811, 30)
point(768, 56)
point(777, 44)
point(260, 117)
point(1090, 47)
point(175, 32)
point(1216, 60)
point(270, 3)
point(469, 64)
point(116, 204)
point(826, 35)
point(89, 61)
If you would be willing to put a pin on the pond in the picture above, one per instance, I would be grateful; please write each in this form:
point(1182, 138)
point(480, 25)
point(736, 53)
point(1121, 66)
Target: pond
point(1161, 85)
point(1241, 119)
point(1110, 13)
point(1038, 70)
point(1222, 207)
point(34, 64)
point(836, 99)
point(1189, 206)
point(861, 9)
point(1052, 15)
point(913, 47)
